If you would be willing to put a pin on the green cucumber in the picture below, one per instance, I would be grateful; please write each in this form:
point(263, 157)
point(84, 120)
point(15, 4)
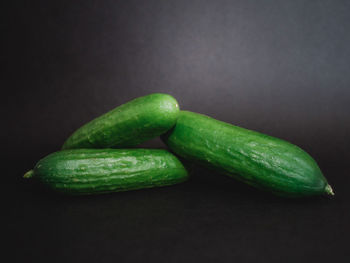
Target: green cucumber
point(128, 125)
point(92, 171)
point(260, 160)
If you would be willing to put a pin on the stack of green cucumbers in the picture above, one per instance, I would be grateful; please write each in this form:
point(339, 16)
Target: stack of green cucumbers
point(100, 157)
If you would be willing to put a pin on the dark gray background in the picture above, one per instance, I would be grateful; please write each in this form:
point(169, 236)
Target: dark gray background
point(278, 67)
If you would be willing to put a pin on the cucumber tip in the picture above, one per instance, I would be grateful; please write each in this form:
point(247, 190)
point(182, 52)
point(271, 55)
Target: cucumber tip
point(28, 174)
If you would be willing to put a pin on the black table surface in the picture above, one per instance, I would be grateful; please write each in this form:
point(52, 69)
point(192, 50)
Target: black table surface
point(278, 67)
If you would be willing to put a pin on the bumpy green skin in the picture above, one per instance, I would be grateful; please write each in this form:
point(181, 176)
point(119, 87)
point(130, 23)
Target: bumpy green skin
point(93, 171)
point(129, 124)
point(257, 159)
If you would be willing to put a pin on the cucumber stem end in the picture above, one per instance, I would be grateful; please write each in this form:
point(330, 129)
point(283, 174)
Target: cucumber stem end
point(328, 189)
